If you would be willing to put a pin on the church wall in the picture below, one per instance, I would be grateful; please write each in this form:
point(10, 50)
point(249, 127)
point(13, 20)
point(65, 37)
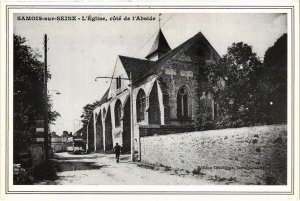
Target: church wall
point(175, 75)
point(146, 120)
point(99, 132)
point(116, 130)
point(154, 110)
point(91, 145)
point(118, 72)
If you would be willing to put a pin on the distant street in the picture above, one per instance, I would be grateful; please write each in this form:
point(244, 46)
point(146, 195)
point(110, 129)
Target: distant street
point(102, 169)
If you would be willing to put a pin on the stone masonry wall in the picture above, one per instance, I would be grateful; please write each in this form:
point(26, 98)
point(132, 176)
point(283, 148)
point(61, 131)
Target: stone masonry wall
point(150, 130)
point(253, 155)
point(178, 74)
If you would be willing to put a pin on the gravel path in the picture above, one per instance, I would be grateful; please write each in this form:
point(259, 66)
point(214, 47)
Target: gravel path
point(101, 169)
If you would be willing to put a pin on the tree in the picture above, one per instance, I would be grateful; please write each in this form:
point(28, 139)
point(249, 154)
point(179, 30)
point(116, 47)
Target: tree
point(273, 83)
point(233, 83)
point(28, 91)
point(66, 134)
point(87, 112)
point(88, 120)
point(204, 120)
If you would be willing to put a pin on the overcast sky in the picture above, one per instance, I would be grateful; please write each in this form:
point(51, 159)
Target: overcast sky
point(80, 50)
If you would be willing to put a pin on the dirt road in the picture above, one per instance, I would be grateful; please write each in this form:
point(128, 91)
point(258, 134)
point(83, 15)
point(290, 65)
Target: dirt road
point(102, 169)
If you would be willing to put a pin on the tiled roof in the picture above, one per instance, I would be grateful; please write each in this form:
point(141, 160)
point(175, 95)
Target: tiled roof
point(137, 67)
point(199, 37)
point(141, 68)
point(160, 45)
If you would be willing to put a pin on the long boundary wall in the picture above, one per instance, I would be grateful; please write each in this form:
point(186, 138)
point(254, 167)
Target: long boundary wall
point(252, 155)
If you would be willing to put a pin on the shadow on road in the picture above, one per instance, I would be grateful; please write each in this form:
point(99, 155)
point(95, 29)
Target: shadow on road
point(75, 158)
point(126, 158)
point(63, 166)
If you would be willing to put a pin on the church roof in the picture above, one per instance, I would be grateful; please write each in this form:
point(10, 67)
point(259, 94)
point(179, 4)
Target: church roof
point(160, 45)
point(141, 68)
point(78, 133)
point(104, 97)
point(137, 67)
point(198, 38)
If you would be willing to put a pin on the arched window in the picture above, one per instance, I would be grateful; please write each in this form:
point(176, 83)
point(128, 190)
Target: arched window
point(141, 105)
point(118, 108)
point(182, 103)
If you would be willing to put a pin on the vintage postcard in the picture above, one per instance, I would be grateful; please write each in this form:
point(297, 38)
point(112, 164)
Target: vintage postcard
point(154, 99)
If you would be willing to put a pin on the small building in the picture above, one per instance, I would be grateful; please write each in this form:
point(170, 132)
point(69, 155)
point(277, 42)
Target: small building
point(58, 143)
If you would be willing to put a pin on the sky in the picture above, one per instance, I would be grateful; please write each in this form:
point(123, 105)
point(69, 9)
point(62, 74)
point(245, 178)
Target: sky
point(79, 51)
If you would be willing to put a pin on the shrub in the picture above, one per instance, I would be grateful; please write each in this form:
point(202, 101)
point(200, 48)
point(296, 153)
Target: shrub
point(45, 172)
point(21, 176)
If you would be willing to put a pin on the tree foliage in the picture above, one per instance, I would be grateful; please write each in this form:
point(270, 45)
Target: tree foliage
point(87, 112)
point(273, 83)
point(233, 83)
point(248, 91)
point(28, 87)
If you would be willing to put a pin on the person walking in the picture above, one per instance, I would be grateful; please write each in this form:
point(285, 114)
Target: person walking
point(117, 150)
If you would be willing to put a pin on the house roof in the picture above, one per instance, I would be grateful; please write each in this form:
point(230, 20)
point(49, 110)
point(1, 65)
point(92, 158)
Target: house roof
point(54, 135)
point(78, 132)
point(67, 135)
point(137, 67)
point(160, 45)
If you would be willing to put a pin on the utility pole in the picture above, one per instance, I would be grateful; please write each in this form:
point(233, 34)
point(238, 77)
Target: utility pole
point(46, 143)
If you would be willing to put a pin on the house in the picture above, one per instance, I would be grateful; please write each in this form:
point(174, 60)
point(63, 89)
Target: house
point(168, 85)
point(58, 143)
point(80, 134)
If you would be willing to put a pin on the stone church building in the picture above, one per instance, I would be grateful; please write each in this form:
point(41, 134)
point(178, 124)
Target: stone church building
point(167, 89)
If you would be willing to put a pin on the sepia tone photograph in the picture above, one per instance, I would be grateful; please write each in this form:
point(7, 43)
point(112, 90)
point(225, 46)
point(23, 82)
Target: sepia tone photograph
point(150, 98)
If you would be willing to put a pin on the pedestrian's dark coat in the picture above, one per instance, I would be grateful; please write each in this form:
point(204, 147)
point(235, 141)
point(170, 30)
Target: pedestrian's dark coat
point(117, 149)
